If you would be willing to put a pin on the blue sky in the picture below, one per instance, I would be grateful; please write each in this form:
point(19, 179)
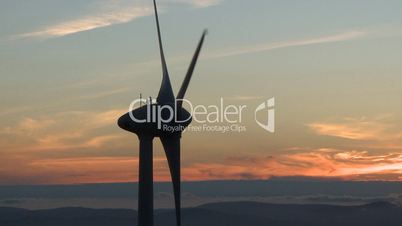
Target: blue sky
point(333, 66)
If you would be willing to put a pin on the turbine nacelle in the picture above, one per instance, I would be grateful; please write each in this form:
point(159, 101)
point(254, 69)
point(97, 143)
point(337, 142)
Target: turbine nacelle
point(156, 120)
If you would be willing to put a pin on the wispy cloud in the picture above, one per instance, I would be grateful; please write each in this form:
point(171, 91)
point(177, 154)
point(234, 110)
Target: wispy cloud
point(341, 37)
point(357, 129)
point(200, 3)
point(90, 22)
point(109, 13)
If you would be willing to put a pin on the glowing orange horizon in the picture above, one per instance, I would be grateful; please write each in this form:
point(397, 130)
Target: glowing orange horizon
point(322, 163)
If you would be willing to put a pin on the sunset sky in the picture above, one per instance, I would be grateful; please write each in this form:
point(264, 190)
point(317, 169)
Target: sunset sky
point(69, 69)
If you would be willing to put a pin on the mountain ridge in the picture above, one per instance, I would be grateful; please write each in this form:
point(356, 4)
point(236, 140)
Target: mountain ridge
point(215, 214)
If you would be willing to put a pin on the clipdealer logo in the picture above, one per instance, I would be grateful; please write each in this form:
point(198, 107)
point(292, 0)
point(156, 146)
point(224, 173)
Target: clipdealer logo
point(222, 118)
point(268, 106)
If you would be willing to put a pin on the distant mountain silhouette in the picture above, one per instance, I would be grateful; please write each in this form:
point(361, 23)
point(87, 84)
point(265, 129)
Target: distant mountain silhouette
point(216, 214)
point(67, 217)
point(240, 188)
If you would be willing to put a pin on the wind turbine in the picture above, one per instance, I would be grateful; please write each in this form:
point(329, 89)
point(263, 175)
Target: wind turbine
point(149, 125)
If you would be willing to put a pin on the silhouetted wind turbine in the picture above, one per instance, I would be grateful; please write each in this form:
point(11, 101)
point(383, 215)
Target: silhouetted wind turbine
point(149, 129)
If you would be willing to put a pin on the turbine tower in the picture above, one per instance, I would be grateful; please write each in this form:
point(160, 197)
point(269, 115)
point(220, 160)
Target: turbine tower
point(149, 121)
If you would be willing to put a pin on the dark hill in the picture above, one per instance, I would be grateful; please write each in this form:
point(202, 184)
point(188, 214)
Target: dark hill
point(216, 214)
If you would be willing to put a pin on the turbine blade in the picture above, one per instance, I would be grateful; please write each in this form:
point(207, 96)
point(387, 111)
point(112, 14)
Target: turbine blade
point(190, 71)
point(166, 92)
point(172, 150)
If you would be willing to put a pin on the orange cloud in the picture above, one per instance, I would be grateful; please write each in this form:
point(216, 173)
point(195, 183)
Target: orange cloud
point(354, 165)
point(352, 128)
point(323, 163)
point(62, 131)
point(85, 133)
point(76, 170)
